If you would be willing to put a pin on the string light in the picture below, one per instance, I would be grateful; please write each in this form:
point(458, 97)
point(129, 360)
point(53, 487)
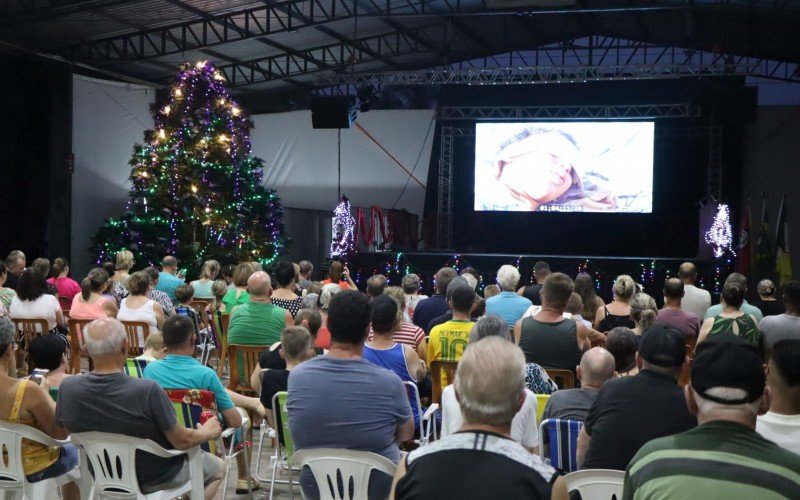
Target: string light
point(720, 235)
point(344, 226)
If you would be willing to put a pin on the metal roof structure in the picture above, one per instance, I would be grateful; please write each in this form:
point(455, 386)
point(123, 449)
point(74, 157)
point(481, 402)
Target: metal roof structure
point(271, 48)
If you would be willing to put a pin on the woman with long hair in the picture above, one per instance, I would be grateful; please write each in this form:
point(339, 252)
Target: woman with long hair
point(66, 286)
point(618, 312)
point(33, 301)
point(238, 294)
point(338, 274)
point(584, 286)
point(732, 318)
point(202, 286)
point(643, 312)
point(91, 303)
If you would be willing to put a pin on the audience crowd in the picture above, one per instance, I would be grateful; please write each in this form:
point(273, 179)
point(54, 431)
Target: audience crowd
point(690, 400)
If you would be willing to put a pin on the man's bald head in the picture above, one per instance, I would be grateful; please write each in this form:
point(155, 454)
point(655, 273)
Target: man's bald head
point(687, 272)
point(259, 285)
point(104, 337)
point(673, 288)
point(597, 366)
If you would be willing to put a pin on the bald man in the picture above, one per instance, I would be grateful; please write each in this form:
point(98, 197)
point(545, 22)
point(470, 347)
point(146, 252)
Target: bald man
point(597, 366)
point(259, 321)
point(672, 313)
point(695, 300)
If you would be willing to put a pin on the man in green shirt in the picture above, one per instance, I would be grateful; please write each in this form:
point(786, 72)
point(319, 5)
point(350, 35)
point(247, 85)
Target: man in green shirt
point(258, 322)
point(722, 458)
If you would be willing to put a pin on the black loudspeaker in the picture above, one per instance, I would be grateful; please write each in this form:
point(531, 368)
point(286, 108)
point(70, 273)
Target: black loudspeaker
point(333, 111)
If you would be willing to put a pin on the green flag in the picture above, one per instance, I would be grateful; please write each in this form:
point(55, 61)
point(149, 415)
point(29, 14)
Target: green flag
point(765, 257)
point(783, 262)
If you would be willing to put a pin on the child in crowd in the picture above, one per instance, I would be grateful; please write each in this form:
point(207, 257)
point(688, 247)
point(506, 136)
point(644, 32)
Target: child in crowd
point(491, 291)
point(153, 348)
point(185, 295)
point(49, 353)
point(219, 289)
point(296, 347)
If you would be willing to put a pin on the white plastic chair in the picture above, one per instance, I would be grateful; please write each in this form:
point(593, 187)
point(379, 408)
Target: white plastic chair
point(335, 469)
point(427, 421)
point(229, 454)
point(12, 474)
point(119, 480)
point(597, 484)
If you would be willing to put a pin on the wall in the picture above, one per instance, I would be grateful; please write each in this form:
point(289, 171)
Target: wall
point(772, 165)
point(108, 118)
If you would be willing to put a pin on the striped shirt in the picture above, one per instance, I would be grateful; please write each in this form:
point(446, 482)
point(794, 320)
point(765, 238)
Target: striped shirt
point(718, 460)
point(475, 464)
point(407, 333)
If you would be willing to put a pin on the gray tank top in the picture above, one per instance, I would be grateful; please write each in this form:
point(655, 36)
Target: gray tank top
point(550, 345)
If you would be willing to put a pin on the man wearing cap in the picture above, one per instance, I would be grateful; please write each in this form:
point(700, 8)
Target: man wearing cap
point(723, 457)
point(631, 411)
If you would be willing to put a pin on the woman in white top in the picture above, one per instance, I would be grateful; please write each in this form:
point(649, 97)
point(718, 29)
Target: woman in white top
point(137, 307)
point(32, 301)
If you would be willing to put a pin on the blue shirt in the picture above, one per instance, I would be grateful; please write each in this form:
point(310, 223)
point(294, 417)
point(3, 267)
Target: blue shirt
point(746, 308)
point(185, 372)
point(509, 306)
point(167, 283)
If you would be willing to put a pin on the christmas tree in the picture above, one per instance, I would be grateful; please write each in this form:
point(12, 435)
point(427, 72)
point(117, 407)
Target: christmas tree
point(196, 191)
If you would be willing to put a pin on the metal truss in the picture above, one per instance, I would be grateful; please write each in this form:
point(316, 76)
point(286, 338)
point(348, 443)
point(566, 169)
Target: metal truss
point(444, 205)
point(714, 172)
point(26, 8)
point(276, 17)
point(626, 111)
point(332, 56)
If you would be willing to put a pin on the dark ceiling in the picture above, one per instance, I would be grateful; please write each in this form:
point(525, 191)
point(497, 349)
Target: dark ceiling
point(276, 47)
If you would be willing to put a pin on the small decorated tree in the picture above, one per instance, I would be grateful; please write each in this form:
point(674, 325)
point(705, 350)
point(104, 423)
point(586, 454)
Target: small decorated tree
point(196, 190)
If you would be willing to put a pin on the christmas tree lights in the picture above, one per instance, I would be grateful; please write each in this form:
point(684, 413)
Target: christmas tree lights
point(344, 226)
point(196, 191)
point(720, 235)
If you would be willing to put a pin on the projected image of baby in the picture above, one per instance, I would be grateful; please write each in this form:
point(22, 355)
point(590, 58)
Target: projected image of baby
point(540, 168)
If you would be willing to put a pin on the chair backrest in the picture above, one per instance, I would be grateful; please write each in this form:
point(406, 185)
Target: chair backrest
point(412, 392)
point(137, 331)
point(64, 302)
point(439, 368)
point(12, 472)
point(281, 416)
point(30, 327)
point(558, 442)
point(134, 367)
point(337, 472)
point(200, 305)
point(188, 405)
point(76, 347)
point(599, 484)
point(243, 361)
point(541, 403)
point(564, 378)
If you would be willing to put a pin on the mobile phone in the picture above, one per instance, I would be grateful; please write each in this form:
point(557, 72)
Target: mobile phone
point(38, 374)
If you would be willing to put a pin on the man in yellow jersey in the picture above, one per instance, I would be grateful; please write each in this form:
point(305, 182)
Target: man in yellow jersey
point(448, 340)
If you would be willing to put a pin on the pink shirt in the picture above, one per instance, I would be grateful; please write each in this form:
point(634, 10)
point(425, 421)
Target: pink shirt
point(67, 287)
point(86, 310)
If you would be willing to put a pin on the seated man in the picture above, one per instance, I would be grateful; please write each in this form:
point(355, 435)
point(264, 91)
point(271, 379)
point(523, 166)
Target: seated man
point(258, 322)
point(597, 366)
point(524, 429)
point(436, 305)
point(723, 457)
point(49, 353)
point(448, 340)
point(490, 388)
point(783, 326)
point(180, 370)
point(107, 400)
point(630, 411)
point(673, 314)
point(376, 415)
point(781, 424)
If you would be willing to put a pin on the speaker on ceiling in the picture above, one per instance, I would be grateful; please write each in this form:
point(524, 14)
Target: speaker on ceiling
point(333, 111)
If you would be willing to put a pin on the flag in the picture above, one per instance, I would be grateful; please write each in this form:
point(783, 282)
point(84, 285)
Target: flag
point(743, 264)
point(765, 257)
point(783, 261)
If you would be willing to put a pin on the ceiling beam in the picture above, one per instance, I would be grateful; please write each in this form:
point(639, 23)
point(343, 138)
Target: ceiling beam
point(19, 11)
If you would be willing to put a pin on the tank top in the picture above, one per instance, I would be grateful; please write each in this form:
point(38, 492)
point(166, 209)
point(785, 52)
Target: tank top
point(36, 457)
point(612, 321)
point(747, 328)
point(290, 305)
point(81, 309)
point(393, 359)
point(550, 345)
point(144, 313)
point(532, 293)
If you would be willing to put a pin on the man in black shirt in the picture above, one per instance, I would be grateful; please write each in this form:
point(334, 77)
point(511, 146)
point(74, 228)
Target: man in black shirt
point(541, 270)
point(436, 305)
point(15, 264)
point(631, 411)
point(490, 388)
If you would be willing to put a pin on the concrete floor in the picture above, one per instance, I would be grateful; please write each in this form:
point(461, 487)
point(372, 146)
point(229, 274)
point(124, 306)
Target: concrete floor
point(281, 491)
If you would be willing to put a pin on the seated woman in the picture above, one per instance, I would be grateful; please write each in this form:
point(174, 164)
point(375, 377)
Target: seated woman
point(137, 307)
point(202, 286)
point(622, 343)
point(33, 301)
point(238, 294)
point(47, 352)
point(24, 402)
point(117, 291)
point(643, 312)
point(91, 303)
point(618, 311)
point(732, 319)
point(339, 275)
point(283, 295)
point(66, 286)
point(122, 267)
point(524, 429)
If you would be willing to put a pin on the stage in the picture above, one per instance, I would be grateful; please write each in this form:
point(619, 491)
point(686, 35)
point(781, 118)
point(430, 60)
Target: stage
point(650, 272)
